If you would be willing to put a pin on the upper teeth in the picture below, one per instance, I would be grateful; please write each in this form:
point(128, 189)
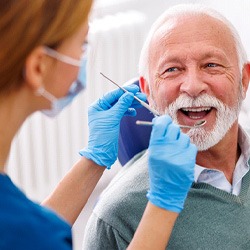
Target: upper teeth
point(195, 109)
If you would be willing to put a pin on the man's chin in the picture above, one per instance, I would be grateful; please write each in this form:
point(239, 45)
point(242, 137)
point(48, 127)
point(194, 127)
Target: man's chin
point(203, 139)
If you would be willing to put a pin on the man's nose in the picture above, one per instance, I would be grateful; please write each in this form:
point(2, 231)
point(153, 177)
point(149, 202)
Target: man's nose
point(193, 84)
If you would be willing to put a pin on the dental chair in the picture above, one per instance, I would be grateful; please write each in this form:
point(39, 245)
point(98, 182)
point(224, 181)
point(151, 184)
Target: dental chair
point(133, 138)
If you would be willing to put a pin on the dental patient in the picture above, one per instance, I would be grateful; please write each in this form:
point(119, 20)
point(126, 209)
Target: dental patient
point(193, 67)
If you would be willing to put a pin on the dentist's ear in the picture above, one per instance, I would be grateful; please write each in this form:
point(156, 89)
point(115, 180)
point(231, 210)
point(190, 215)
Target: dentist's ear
point(245, 78)
point(35, 67)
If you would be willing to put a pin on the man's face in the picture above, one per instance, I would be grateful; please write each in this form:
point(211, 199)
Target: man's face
point(194, 75)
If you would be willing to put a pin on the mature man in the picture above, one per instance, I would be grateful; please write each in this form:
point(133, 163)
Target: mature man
point(192, 67)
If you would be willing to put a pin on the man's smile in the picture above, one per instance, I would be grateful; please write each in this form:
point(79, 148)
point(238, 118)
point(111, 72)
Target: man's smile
point(196, 112)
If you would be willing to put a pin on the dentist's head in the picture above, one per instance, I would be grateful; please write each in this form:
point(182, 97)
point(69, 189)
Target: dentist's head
point(42, 46)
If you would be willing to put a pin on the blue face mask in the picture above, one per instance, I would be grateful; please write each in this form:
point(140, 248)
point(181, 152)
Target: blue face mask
point(58, 104)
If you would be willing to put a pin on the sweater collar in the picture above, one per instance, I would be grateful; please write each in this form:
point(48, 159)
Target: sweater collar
point(215, 176)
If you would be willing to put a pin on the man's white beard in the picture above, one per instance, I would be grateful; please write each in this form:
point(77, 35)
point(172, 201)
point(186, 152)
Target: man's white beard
point(225, 117)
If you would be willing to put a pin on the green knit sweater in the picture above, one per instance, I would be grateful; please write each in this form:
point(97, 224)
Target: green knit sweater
point(211, 219)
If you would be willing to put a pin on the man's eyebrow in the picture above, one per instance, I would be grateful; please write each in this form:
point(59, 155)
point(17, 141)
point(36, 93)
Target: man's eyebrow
point(215, 54)
point(208, 55)
point(169, 59)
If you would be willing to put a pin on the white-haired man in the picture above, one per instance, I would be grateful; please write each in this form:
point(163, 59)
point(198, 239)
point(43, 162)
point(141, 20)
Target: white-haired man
point(193, 67)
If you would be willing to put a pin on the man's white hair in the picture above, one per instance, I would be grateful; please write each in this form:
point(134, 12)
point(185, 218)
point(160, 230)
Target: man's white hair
point(183, 10)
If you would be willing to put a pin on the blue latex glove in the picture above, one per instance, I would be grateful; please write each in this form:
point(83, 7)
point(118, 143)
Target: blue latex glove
point(104, 118)
point(171, 165)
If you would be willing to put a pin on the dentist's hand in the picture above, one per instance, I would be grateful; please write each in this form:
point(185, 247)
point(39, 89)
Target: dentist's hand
point(104, 118)
point(171, 165)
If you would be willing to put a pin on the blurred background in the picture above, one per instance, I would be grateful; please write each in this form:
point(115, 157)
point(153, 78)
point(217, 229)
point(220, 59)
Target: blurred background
point(45, 149)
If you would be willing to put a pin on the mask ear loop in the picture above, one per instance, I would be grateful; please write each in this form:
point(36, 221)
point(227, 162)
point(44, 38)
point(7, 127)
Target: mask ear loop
point(42, 92)
point(63, 58)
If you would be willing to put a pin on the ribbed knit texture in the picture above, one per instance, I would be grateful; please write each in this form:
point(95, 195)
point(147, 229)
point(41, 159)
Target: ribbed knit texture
point(214, 219)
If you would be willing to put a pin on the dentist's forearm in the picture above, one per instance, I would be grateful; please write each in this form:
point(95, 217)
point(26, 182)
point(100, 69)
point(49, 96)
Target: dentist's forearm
point(73, 191)
point(154, 229)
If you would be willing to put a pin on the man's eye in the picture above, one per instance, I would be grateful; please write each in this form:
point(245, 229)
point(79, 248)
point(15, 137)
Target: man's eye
point(171, 69)
point(212, 65)
point(171, 72)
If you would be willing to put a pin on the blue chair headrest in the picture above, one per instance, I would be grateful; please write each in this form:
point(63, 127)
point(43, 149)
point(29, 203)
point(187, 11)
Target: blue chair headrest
point(133, 138)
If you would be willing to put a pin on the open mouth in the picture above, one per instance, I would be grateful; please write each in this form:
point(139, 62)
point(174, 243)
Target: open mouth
point(196, 113)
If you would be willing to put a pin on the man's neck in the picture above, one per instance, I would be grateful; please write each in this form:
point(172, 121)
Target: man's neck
point(223, 156)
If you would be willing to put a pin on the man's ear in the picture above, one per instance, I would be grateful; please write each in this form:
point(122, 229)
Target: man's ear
point(245, 78)
point(35, 67)
point(144, 86)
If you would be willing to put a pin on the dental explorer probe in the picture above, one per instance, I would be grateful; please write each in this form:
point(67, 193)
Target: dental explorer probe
point(144, 104)
point(196, 125)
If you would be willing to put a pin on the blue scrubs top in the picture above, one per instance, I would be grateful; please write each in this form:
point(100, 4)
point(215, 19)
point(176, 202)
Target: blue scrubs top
point(27, 225)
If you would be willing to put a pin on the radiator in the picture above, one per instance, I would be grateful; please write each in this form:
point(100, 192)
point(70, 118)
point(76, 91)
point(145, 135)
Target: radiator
point(44, 148)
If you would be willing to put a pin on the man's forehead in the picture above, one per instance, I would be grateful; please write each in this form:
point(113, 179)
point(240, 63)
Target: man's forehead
point(201, 29)
point(185, 28)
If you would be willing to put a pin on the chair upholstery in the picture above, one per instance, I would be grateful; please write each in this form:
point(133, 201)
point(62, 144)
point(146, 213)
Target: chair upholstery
point(133, 138)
